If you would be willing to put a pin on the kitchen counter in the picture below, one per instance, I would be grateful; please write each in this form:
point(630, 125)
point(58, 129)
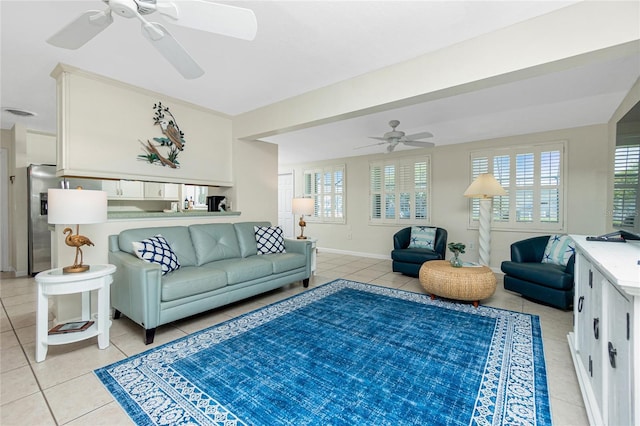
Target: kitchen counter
point(162, 215)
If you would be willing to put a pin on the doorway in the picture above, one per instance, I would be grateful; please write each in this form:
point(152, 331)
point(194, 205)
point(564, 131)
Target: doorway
point(285, 196)
point(4, 210)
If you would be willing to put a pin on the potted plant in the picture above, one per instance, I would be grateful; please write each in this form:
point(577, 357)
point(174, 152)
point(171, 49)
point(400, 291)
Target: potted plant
point(457, 249)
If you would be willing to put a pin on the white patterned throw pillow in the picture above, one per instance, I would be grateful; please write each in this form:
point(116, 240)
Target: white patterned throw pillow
point(157, 250)
point(423, 237)
point(269, 239)
point(558, 250)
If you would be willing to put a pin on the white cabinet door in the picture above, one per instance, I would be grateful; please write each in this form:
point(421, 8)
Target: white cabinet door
point(123, 189)
point(161, 191)
point(131, 189)
point(618, 358)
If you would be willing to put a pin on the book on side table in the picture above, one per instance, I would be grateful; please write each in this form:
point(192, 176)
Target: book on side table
point(71, 327)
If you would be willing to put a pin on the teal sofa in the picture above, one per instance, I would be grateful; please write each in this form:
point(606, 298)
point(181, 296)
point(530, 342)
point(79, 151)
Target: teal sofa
point(219, 265)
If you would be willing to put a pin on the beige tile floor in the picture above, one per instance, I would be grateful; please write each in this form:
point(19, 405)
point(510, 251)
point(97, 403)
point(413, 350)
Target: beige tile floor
point(62, 390)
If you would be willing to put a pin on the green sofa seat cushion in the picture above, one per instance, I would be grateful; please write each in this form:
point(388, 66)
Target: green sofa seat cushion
point(190, 280)
point(283, 262)
point(242, 269)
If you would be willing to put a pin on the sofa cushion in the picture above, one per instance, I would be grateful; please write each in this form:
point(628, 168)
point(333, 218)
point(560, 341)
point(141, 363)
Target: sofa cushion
point(269, 239)
point(157, 250)
point(558, 250)
point(191, 280)
point(177, 236)
point(247, 237)
point(422, 237)
point(414, 255)
point(544, 274)
point(242, 269)
point(284, 262)
point(214, 241)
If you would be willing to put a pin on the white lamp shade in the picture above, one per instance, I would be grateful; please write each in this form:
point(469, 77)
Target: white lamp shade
point(485, 186)
point(76, 206)
point(302, 206)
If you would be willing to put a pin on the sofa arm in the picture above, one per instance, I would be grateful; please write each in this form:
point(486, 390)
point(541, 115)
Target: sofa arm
point(529, 250)
point(301, 247)
point(136, 288)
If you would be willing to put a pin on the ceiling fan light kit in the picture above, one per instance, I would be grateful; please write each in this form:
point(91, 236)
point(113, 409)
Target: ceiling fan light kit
point(201, 15)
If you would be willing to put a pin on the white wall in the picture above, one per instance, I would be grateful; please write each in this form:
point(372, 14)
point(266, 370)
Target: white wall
point(585, 183)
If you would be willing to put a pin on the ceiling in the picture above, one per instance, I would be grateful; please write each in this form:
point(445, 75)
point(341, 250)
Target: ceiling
point(305, 45)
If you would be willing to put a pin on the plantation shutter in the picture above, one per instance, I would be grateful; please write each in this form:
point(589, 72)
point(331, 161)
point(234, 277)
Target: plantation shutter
point(327, 189)
point(399, 190)
point(625, 185)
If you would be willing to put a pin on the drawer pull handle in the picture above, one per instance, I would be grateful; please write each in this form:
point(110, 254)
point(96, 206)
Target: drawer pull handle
point(580, 303)
point(596, 328)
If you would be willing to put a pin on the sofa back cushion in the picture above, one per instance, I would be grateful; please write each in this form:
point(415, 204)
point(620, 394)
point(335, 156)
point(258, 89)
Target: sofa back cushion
point(214, 241)
point(177, 236)
point(247, 237)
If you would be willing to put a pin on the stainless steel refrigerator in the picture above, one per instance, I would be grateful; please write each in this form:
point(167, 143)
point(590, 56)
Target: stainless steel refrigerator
point(41, 177)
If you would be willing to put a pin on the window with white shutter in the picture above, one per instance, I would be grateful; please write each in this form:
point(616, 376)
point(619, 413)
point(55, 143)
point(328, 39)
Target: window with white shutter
point(327, 188)
point(533, 179)
point(399, 191)
point(625, 185)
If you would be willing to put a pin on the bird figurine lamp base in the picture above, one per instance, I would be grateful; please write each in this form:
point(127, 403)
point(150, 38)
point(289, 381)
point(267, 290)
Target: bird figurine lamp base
point(76, 241)
point(302, 224)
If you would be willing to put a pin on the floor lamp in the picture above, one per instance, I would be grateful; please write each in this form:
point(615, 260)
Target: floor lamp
point(485, 187)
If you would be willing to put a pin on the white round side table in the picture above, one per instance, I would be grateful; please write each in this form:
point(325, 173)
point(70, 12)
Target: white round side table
point(53, 282)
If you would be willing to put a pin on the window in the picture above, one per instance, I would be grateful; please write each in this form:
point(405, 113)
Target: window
point(625, 185)
point(399, 190)
point(532, 178)
point(326, 187)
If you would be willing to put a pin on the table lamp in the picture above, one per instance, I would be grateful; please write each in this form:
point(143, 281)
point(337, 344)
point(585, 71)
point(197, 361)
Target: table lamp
point(485, 187)
point(76, 206)
point(302, 206)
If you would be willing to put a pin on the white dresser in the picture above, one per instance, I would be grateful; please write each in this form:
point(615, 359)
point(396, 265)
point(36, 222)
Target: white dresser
point(605, 342)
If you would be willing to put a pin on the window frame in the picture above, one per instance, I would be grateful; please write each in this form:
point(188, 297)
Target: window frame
point(400, 164)
point(336, 195)
point(513, 189)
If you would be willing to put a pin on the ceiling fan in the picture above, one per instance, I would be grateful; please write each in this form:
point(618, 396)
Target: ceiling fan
point(395, 137)
point(202, 15)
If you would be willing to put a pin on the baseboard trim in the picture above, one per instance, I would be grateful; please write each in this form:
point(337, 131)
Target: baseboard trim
point(355, 253)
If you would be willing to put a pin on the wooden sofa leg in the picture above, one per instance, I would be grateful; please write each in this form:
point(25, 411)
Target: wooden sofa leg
point(116, 314)
point(305, 282)
point(149, 334)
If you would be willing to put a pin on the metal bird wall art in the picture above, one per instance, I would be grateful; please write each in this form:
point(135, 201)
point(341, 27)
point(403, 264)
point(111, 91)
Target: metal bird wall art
point(173, 139)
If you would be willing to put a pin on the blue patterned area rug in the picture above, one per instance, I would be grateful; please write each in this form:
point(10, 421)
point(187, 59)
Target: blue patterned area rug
point(344, 353)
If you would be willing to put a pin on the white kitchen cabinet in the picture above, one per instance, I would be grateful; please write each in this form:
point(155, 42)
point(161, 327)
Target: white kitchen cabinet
point(605, 343)
point(161, 191)
point(123, 189)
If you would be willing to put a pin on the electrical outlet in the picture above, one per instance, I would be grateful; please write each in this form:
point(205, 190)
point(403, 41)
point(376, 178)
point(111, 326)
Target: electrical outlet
point(349, 236)
point(472, 245)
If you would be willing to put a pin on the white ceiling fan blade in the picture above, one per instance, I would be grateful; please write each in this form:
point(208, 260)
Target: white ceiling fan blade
point(421, 135)
point(419, 143)
point(378, 138)
point(79, 31)
point(370, 145)
point(171, 50)
point(231, 21)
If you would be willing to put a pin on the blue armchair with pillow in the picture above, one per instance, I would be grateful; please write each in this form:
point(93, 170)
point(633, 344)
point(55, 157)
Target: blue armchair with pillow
point(541, 269)
point(414, 245)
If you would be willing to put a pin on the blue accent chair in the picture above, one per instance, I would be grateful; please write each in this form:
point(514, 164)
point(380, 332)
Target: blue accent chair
point(541, 282)
point(409, 260)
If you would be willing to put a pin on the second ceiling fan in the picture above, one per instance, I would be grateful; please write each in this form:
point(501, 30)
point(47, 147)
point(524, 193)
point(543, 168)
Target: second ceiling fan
point(395, 137)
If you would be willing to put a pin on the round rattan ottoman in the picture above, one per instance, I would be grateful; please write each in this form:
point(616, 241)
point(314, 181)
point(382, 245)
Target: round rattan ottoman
point(472, 283)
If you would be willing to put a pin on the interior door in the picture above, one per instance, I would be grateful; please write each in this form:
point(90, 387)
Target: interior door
point(285, 195)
